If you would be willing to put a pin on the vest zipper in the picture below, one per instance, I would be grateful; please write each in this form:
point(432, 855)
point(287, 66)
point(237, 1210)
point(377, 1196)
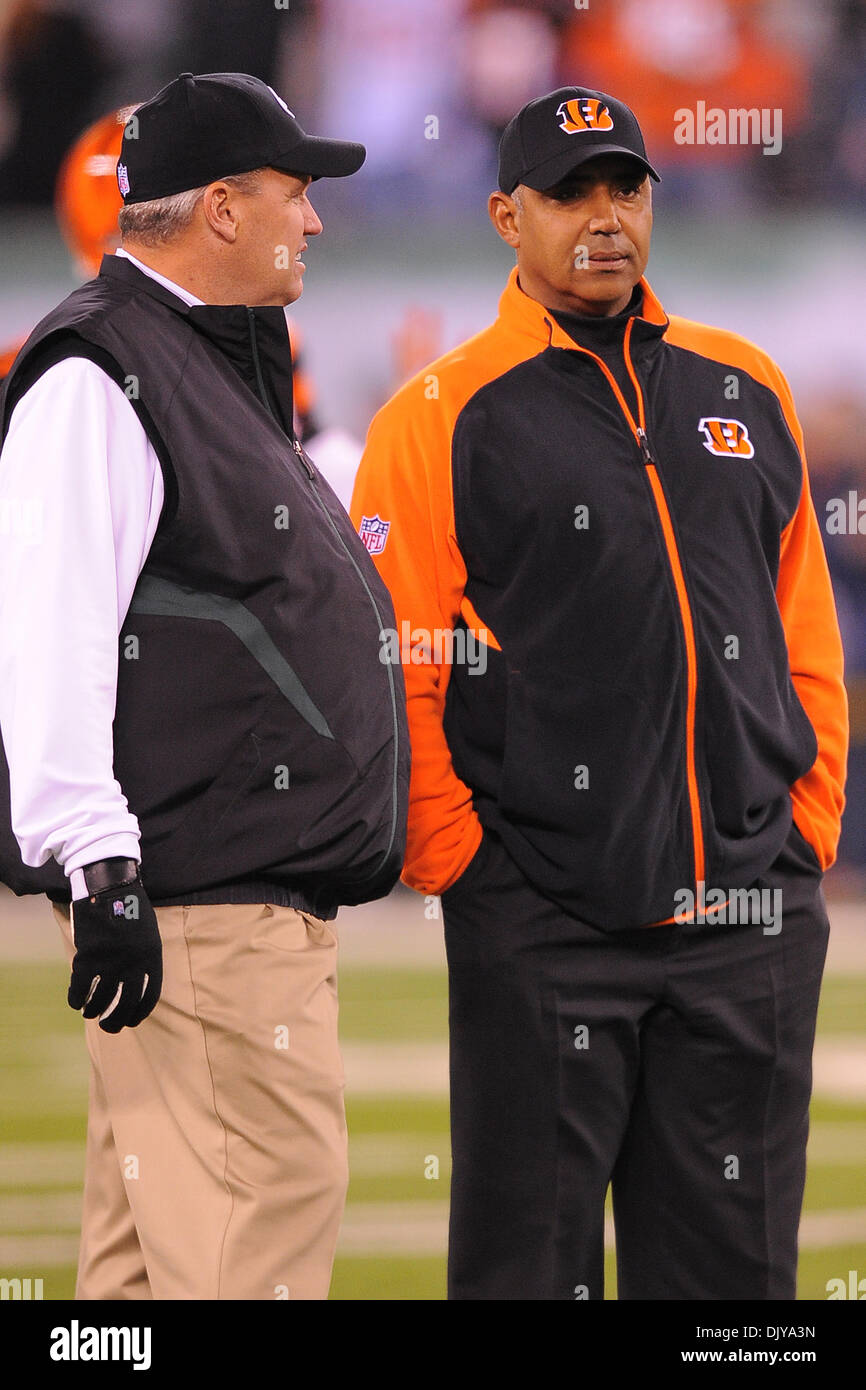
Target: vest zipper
point(638, 429)
point(263, 395)
point(257, 365)
point(296, 445)
point(306, 464)
point(299, 450)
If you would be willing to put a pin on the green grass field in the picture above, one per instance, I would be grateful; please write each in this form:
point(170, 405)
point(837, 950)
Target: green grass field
point(393, 1243)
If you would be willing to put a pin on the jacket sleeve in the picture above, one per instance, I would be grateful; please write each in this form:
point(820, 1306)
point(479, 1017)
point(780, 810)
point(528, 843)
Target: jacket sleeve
point(405, 478)
point(805, 597)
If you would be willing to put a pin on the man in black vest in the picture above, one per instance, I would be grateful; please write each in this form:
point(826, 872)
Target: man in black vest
point(206, 756)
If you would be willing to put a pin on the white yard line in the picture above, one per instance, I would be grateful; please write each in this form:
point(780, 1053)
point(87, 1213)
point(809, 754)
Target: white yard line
point(396, 1068)
point(421, 1228)
point(819, 1229)
point(394, 1228)
point(46, 1164)
point(832, 1142)
point(409, 1229)
point(39, 1211)
point(839, 1067)
point(41, 1252)
point(372, 1156)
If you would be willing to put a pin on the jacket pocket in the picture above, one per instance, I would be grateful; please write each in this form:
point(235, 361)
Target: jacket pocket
point(474, 871)
point(201, 825)
point(586, 783)
point(798, 855)
point(584, 762)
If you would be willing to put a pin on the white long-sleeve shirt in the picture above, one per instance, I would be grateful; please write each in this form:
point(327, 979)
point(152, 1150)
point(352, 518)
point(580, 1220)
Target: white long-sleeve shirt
point(81, 493)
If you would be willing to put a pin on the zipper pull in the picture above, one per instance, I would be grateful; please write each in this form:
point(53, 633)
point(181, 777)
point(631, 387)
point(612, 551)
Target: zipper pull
point(298, 448)
point(646, 451)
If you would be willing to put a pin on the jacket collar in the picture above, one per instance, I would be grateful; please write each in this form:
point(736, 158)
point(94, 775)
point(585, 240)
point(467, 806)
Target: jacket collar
point(522, 314)
point(122, 269)
point(255, 340)
point(186, 295)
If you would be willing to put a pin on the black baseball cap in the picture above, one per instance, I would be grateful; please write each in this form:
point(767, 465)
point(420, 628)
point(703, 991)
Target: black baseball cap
point(555, 134)
point(206, 126)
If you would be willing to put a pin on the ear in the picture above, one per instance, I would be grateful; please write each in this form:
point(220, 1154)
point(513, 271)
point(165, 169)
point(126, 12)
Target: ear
point(219, 205)
point(505, 216)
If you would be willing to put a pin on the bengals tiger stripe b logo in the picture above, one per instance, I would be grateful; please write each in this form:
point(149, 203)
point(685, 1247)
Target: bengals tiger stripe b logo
point(584, 113)
point(726, 438)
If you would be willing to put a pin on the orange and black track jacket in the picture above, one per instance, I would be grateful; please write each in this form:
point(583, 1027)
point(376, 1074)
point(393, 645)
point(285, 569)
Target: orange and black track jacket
point(628, 526)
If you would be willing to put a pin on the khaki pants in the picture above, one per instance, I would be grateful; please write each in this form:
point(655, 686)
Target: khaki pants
point(216, 1140)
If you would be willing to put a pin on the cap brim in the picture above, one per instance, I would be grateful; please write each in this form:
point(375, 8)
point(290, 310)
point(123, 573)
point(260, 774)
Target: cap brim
point(322, 159)
point(552, 170)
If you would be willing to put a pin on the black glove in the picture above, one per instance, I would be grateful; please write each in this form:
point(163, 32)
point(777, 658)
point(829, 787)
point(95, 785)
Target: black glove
point(117, 947)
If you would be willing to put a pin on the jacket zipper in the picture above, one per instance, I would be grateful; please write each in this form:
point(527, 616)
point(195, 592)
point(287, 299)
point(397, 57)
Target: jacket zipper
point(307, 465)
point(638, 429)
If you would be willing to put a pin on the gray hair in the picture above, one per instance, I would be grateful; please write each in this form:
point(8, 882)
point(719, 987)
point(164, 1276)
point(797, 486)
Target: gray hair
point(155, 222)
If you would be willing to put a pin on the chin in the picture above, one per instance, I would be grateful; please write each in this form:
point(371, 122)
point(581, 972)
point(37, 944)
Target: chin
point(603, 287)
point(615, 292)
point(598, 283)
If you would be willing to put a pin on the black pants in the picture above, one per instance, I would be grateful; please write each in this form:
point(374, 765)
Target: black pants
point(672, 1062)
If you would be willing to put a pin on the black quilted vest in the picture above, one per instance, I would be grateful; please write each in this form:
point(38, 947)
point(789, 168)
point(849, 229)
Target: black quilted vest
point(258, 737)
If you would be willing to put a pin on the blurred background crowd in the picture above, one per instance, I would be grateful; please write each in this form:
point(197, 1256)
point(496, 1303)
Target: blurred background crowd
point(380, 67)
point(767, 245)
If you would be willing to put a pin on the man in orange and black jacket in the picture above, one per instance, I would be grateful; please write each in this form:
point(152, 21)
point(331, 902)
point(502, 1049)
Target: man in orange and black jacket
point(628, 755)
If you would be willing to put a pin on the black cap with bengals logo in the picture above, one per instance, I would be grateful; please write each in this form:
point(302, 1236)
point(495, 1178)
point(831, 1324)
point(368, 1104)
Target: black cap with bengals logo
point(554, 134)
point(205, 127)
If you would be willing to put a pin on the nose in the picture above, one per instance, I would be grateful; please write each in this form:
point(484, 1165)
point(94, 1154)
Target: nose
point(604, 216)
point(312, 221)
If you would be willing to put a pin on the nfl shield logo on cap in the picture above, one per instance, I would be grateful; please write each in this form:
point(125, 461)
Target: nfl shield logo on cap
point(122, 179)
point(374, 533)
